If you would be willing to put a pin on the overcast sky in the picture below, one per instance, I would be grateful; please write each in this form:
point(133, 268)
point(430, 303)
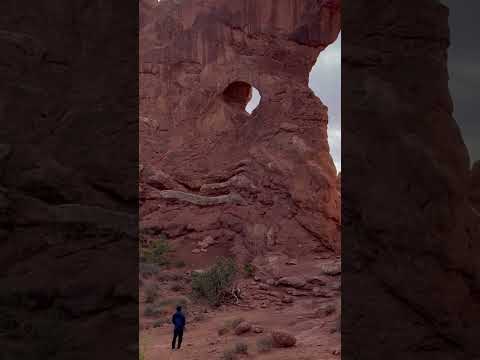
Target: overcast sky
point(325, 81)
point(464, 69)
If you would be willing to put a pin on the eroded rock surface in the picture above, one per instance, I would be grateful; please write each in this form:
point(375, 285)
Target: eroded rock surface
point(265, 180)
point(68, 180)
point(411, 234)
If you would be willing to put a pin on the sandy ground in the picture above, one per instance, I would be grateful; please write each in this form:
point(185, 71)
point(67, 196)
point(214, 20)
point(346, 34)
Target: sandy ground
point(316, 338)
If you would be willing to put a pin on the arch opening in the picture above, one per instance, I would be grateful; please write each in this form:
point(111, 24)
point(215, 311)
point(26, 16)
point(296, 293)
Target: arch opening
point(242, 94)
point(254, 101)
point(325, 81)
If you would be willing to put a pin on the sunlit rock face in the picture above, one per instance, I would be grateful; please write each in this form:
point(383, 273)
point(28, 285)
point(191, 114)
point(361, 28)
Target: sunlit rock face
point(264, 180)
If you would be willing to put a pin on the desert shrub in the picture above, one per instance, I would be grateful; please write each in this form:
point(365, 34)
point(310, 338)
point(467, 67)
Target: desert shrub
point(229, 325)
point(249, 270)
point(215, 283)
point(151, 293)
point(229, 355)
point(156, 253)
point(264, 344)
point(241, 348)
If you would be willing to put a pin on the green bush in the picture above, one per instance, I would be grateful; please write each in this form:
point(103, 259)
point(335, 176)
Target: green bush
point(156, 253)
point(265, 344)
point(241, 348)
point(215, 283)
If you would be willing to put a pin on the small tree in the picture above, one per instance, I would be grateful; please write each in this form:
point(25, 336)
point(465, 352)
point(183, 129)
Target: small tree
point(215, 284)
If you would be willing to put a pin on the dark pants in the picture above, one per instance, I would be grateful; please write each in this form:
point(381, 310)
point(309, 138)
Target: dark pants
point(177, 333)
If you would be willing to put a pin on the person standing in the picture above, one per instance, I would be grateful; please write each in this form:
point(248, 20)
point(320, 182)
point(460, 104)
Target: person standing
point(179, 322)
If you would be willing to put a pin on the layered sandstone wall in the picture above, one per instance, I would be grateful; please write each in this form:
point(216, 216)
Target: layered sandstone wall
point(265, 180)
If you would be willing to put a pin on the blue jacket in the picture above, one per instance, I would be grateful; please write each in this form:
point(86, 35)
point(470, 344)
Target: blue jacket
point(178, 319)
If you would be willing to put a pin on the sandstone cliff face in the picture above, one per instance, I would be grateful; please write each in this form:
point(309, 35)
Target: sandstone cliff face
point(411, 234)
point(266, 181)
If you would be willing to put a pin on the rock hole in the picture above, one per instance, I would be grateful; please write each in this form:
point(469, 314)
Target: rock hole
point(254, 101)
point(243, 95)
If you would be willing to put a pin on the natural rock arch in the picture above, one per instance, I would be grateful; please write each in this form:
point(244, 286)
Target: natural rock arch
point(240, 93)
point(209, 58)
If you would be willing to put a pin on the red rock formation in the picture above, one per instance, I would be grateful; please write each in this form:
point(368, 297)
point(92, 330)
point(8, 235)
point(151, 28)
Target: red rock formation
point(265, 180)
point(68, 193)
point(410, 236)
